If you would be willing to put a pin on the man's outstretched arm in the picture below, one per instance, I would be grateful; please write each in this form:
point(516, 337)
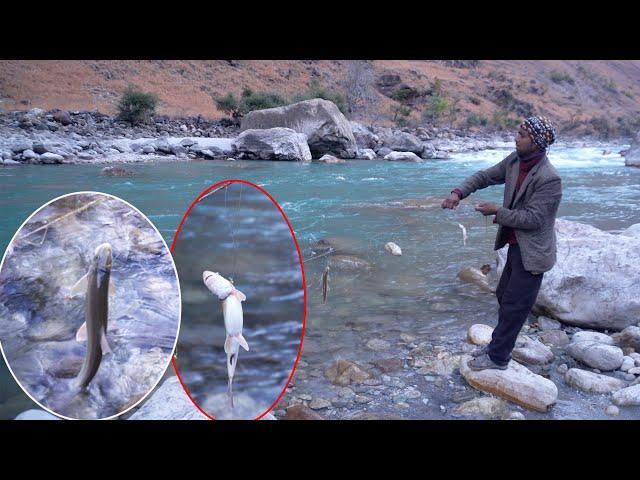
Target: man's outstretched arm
point(494, 175)
point(543, 204)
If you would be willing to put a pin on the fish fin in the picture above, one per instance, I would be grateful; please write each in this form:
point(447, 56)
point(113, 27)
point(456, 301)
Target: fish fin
point(228, 344)
point(104, 345)
point(112, 287)
point(80, 286)
point(239, 295)
point(81, 334)
point(243, 343)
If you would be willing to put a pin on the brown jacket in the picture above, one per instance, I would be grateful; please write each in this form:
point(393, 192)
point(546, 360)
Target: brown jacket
point(532, 213)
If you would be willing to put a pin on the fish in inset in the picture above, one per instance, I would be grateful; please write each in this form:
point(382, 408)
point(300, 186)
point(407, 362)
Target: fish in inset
point(231, 299)
point(97, 286)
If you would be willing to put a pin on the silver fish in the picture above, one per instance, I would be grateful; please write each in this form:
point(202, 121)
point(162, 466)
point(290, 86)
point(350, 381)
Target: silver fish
point(97, 285)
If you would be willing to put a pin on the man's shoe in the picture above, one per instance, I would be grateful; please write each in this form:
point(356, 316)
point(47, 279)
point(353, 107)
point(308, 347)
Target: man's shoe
point(484, 362)
point(480, 351)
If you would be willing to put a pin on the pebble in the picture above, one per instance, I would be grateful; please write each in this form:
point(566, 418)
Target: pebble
point(319, 403)
point(378, 344)
point(612, 411)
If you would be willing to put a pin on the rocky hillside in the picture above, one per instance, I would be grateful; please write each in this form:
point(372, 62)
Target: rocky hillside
point(583, 96)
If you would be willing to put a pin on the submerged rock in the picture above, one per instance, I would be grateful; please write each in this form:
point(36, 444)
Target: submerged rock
point(116, 172)
point(517, 384)
point(596, 355)
point(330, 159)
point(476, 277)
point(393, 248)
point(301, 412)
point(327, 130)
point(592, 382)
point(272, 144)
point(594, 282)
point(487, 407)
point(348, 263)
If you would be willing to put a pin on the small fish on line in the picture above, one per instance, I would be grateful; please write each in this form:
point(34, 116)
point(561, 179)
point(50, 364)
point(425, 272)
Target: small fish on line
point(233, 319)
point(325, 284)
point(97, 286)
point(464, 234)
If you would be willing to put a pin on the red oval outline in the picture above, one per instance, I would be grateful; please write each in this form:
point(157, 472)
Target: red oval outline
point(207, 190)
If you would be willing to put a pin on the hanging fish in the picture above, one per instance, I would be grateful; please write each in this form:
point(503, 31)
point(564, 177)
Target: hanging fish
point(325, 284)
point(464, 234)
point(233, 318)
point(97, 286)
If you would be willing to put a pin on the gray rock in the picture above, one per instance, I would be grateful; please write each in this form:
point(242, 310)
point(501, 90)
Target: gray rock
point(365, 138)
point(632, 156)
point(485, 407)
point(596, 355)
point(403, 142)
point(366, 154)
point(39, 148)
point(428, 151)
point(148, 149)
point(62, 117)
point(168, 402)
point(383, 152)
point(378, 344)
point(402, 157)
point(592, 382)
point(612, 411)
point(589, 336)
point(627, 364)
point(532, 352)
point(21, 145)
point(326, 128)
point(272, 144)
point(326, 158)
point(546, 323)
point(630, 337)
point(49, 157)
point(30, 155)
point(555, 338)
point(36, 414)
point(592, 284)
point(627, 396)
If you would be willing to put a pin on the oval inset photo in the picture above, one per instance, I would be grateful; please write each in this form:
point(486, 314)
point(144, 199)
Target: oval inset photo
point(89, 306)
point(243, 301)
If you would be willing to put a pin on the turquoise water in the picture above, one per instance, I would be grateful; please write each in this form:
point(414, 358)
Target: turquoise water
point(361, 203)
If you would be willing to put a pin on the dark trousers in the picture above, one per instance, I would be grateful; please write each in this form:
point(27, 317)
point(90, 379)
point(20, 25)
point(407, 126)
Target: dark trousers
point(516, 292)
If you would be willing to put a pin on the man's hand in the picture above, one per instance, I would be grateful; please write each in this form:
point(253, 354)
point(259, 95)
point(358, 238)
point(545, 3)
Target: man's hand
point(451, 201)
point(487, 208)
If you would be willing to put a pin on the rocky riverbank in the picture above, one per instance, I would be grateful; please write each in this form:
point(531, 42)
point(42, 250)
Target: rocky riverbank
point(299, 132)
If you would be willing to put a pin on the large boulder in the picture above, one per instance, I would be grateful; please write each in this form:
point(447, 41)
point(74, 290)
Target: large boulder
point(632, 156)
point(326, 128)
point(403, 142)
point(517, 384)
point(272, 144)
point(594, 282)
point(365, 138)
point(402, 157)
point(629, 396)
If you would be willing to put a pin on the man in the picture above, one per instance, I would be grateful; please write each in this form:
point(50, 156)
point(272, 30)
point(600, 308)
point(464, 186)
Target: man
point(526, 222)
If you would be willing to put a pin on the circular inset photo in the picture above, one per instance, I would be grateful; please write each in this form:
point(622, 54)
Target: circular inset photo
point(89, 306)
point(243, 301)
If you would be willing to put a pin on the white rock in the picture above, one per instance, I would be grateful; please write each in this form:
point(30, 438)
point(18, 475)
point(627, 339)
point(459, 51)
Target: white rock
point(330, 159)
point(596, 355)
point(36, 414)
point(592, 382)
point(627, 396)
point(393, 248)
point(634, 371)
point(589, 336)
point(168, 402)
point(546, 323)
point(517, 384)
point(594, 282)
point(532, 352)
point(612, 411)
point(627, 364)
point(487, 407)
point(402, 157)
point(49, 157)
point(479, 334)
point(272, 144)
point(366, 154)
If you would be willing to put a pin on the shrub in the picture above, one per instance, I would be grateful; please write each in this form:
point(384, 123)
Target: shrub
point(401, 114)
point(474, 120)
point(559, 77)
point(502, 120)
point(402, 95)
point(318, 91)
point(435, 108)
point(474, 100)
point(259, 101)
point(136, 106)
point(228, 104)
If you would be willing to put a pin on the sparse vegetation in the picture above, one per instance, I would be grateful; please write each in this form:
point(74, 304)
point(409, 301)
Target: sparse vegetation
point(318, 91)
point(560, 77)
point(475, 100)
point(502, 120)
point(475, 120)
point(401, 114)
point(136, 106)
point(248, 102)
point(435, 109)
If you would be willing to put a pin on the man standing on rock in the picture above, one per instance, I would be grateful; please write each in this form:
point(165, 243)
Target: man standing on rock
point(526, 222)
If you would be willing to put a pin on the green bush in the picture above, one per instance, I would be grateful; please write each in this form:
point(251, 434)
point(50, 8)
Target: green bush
point(559, 77)
point(503, 121)
point(318, 91)
point(402, 95)
point(435, 108)
point(228, 104)
point(401, 114)
point(474, 120)
point(136, 106)
point(259, 101)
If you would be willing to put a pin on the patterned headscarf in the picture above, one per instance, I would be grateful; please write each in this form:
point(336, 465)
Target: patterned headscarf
point(541, 131)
